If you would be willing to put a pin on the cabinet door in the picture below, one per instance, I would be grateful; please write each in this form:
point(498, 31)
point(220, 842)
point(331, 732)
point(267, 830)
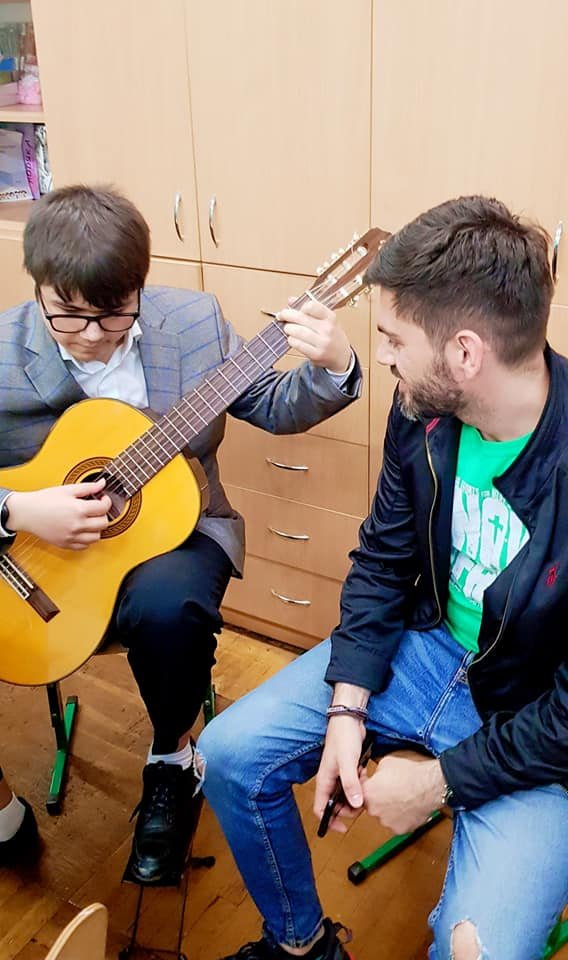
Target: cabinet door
point(469, 96)
point(115, 87)
point(280, 101)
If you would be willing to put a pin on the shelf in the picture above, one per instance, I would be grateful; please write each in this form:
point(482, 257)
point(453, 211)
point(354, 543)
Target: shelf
point(21, 113)
point(13, 216)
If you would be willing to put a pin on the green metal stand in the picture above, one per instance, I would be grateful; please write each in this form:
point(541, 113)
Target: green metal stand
point(359, 870)
point(62, 721)
point(556, 940)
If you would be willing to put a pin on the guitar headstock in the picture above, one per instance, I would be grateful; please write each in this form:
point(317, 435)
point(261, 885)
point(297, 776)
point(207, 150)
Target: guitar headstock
point(341, 279)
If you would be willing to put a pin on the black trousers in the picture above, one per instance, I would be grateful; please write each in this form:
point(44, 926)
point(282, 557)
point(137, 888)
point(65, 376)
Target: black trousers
point(167, 615)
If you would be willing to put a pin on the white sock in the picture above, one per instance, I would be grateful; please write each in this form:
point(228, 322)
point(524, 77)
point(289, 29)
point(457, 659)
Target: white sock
point(11, 817)
point(183, 757)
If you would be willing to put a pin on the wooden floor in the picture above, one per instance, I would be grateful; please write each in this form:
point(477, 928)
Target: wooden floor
point(86, 847)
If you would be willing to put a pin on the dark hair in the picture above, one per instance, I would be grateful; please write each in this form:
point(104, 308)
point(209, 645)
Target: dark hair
point(90, 241)
point(471, 261)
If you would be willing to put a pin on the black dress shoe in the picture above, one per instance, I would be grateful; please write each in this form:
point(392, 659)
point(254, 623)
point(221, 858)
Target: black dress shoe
point(331, 945)
point(24, 847)
point(168, 814)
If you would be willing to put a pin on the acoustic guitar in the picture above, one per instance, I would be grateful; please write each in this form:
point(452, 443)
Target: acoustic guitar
point(56, 604)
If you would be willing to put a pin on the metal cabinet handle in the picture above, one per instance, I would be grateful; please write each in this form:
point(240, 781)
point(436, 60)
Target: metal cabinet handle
point(555, 248)
point(299, 603)
point(212, 206)
point(286, 466)
point(289, 536)
point(177, 204)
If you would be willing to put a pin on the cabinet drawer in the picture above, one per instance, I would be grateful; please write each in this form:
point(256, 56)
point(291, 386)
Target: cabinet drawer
point(303, 537)
point(332, 474)
point(311, 607)
point(350, 424)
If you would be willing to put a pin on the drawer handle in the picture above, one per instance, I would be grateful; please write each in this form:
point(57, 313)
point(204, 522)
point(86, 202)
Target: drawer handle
point(555, 249)
point(289, 536)
point(212, 208)
point(286, 466)
point(177, 204)
point(299, 603)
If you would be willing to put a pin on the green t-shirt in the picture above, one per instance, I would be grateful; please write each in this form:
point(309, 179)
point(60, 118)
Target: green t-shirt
point(486, 533)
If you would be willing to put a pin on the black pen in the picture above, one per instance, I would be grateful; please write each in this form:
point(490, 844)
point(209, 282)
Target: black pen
point(338, 798)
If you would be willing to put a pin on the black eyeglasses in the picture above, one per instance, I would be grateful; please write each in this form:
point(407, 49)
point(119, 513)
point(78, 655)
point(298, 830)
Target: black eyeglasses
point(76, 322)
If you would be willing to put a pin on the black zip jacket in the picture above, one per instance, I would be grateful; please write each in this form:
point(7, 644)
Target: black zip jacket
point(399, 579)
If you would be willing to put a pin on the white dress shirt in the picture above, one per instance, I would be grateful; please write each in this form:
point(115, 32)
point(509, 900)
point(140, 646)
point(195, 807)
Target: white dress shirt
point(121, 378)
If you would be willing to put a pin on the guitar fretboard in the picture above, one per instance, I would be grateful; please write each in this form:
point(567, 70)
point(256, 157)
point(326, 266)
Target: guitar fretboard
point(144, 458)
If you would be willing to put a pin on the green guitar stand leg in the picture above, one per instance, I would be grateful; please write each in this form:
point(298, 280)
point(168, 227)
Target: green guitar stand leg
point(62, 721)
point(359, 870)
point(557, 939)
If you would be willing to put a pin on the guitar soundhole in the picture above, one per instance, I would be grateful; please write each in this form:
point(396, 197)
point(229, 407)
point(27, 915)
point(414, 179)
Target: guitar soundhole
point(123, 511)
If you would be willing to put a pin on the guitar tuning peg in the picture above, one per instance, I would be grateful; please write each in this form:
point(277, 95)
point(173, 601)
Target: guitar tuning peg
point(341, 251)
point(333, 257)
point(326, 265)
point(355, 237)
point(319, 271)
point(354, 300)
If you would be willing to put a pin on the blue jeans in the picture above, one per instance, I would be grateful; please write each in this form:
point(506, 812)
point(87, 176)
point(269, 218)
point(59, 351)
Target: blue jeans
point(508, 866)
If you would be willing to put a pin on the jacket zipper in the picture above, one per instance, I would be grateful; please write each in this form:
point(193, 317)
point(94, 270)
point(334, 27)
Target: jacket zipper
point(499, 632)
point(430, 524)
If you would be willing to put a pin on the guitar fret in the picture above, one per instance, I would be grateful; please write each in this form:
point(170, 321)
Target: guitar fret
point(218, 392)
point(274, 352)
point(172, 424)
point(234, 362)
point(154, 436)
point(246, 349)
point(205, 400)
point(196, 412)
point(144, 442)
point(133, 472)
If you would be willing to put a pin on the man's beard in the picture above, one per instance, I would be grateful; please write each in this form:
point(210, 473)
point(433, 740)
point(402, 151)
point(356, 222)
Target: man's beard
point(436, 395)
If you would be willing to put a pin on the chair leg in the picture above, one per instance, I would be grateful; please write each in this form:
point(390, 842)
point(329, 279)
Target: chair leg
point(359, 870)
point(209, 704)
point(62, 721)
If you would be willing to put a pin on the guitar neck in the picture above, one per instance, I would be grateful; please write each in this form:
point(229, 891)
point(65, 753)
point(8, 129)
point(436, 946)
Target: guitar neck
point(339, 282)
point(175, 430)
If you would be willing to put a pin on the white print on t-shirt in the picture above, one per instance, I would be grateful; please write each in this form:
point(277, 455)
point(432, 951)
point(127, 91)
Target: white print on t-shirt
point(486, 536)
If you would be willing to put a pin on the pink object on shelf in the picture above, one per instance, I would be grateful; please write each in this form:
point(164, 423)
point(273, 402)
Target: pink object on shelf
point(29, 90)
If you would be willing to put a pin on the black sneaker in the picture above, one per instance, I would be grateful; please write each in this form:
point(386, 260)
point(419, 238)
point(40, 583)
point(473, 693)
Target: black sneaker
point(332, 947)
point(168, 814)
point(24, 846)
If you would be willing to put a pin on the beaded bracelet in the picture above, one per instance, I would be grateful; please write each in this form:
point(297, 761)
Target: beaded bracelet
point(341, 710)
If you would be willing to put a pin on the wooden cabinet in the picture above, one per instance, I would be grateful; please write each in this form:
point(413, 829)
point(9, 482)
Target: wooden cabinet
point(16, 286)
point(280, 102)
point(116, 92)
point(302, 496)
point(469, 96)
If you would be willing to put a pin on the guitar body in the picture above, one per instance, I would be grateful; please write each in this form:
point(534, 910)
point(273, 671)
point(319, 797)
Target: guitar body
point(82, 586)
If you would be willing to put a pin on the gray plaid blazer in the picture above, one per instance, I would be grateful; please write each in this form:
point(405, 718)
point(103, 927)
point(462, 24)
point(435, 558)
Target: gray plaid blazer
point(184, 336)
